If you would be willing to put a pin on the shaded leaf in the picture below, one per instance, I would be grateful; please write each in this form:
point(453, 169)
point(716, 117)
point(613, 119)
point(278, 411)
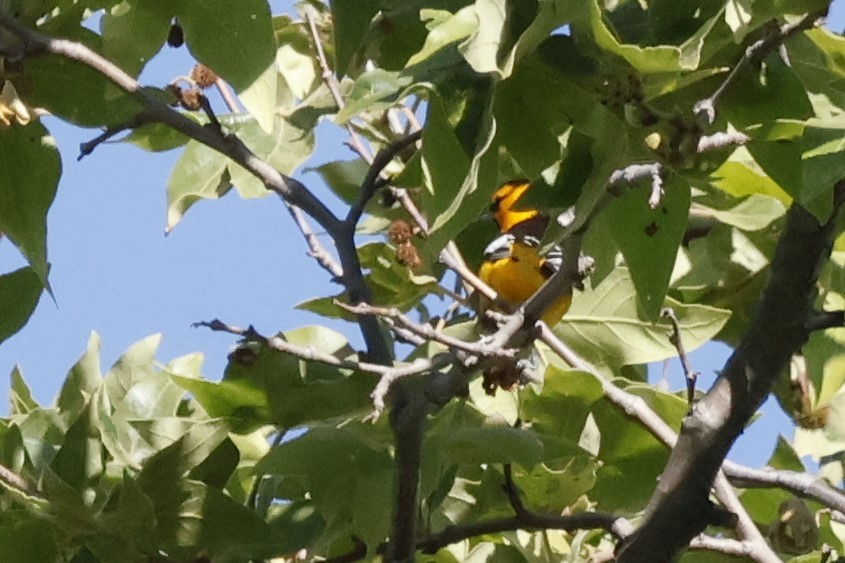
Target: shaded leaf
point(19, 295)
point(237, 44)
point(649, 238)
point(29, 174)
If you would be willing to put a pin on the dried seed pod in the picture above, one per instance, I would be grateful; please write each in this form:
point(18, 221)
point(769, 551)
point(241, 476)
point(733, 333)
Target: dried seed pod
point(203, 76)
point(407, 255)
point(399, 232)
point(191, 99)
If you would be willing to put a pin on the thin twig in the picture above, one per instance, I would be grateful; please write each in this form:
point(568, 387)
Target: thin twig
point(312, 354)
point(227, 95)
point(720, 140)
point(675, 339)
point(370, 183)
point(821, 320)
point(706, 108)
point(427, 332)
point(133, 122)
point(330, 79)
point(315, 248)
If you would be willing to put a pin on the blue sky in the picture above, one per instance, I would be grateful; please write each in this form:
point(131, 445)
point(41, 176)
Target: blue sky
point(114, 271)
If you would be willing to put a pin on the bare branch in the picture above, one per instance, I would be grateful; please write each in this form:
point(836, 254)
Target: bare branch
point(133, 122)
point(12, 480)
point(800, 484)
point(330, 79)
point(370, 183)
point(387, 373)
point(675, 339)
point(427, 332)
point(678, 508)
point(725, 546)
point(636, 408)
point(315, 248)
point(531, 521)
point(821, 320)
point(227, 95)
point(706, 109)
point(721, 140)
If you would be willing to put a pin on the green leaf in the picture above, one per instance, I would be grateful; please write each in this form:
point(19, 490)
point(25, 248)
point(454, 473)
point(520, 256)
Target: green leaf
point(297, 391)
point(649, 238)
point(569, 391)
point(82, 381)
point(29, 174)
point(238, 44)
point(446, 28)
point(238, 401)
point(157, 137)
point(457, 182)
point(551, 486)
point(200, 173)
point(393, 284)
point(203, 173)
point(443, 158)
point(753, 213)
point(632, 459)
point(133, 518)
point(775, 92)
point(20, 396)
point(373, 91)
point(349, 478)
point(27, 539)
point(265, 96)
point(134, 30)
point(218, 466)
point(343, 177)
point(351, 19)
point(194, 518)
point(295, 58)
point(607, 327)
point(74, 91)
point(196, 440)
point(651, 59)
point(298, 523)
point(134, 366)
point(19, 295)
point(285, 149)
point(80, 459)
point(490, 444)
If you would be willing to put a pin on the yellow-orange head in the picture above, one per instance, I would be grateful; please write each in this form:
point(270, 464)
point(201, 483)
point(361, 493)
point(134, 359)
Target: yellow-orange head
point(504, 200)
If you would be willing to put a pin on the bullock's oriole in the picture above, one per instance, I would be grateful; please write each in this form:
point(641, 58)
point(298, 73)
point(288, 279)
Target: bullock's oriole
point(513, 266)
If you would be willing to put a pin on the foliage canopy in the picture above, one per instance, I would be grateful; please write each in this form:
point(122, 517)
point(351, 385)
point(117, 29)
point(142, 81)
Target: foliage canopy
point(694, 150)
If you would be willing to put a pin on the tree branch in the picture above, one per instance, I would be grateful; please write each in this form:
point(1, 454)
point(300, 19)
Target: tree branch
point(821, 320)
point(636, 408)
point(706, 108)
point(677, 511)
point(675, 338)
point(370, 183)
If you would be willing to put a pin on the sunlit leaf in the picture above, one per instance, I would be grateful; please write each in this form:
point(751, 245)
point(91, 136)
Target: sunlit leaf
point(606, 325)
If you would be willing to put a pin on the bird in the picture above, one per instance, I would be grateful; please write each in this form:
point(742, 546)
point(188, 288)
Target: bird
point(513, 266)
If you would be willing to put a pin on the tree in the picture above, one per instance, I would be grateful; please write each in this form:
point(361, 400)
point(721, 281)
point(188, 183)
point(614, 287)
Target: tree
point(693, 152)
